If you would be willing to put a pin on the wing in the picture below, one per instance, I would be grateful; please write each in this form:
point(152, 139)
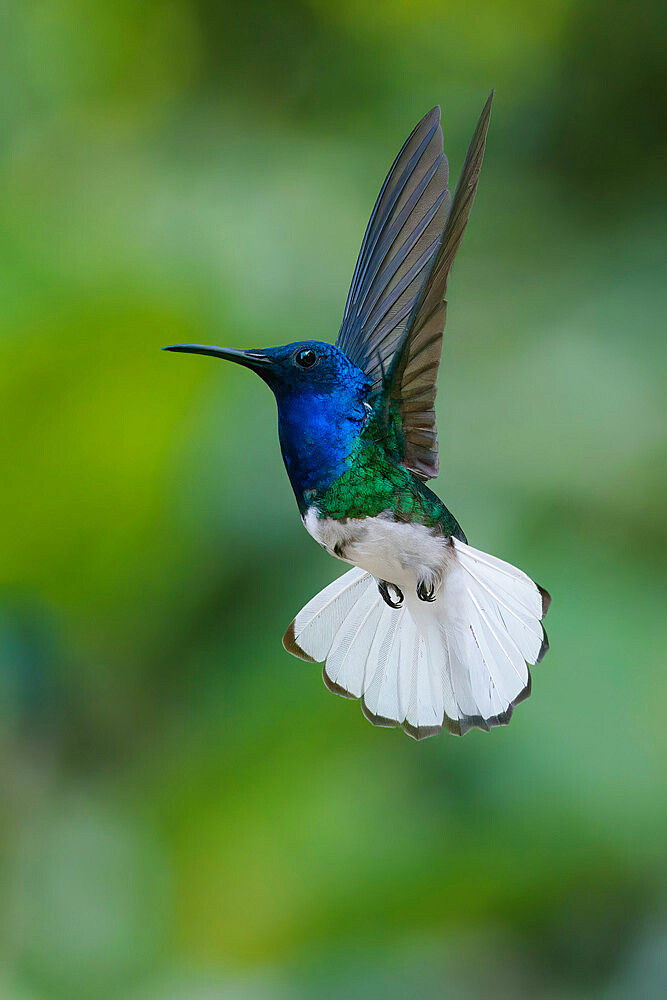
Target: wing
point(403, 267)
point(398, 250)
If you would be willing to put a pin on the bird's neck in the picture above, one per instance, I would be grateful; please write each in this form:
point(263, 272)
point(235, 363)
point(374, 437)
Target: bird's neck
point(318, 433)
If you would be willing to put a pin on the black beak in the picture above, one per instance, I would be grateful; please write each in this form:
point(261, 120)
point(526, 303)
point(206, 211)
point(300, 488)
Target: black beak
point(249, 359)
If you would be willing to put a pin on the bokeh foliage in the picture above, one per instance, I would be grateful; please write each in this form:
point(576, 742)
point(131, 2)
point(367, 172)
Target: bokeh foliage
point(186, 813)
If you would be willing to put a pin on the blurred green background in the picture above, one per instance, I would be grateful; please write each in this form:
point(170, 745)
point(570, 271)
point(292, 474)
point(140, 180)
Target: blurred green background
point(186, 813)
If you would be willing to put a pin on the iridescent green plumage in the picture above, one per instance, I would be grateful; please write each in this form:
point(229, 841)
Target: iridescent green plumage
point(375, 482)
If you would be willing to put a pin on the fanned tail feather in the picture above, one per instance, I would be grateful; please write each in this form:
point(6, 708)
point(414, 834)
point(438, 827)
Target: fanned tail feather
point(460, 662)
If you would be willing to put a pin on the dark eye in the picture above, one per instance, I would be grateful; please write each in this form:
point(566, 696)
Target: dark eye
point(305, 358)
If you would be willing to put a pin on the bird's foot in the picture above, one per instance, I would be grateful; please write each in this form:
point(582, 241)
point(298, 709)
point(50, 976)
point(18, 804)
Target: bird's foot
point(424, 592)
point(383, 587)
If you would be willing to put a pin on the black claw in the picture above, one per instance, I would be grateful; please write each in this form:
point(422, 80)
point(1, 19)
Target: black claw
point(383, 587)
point(425, 595)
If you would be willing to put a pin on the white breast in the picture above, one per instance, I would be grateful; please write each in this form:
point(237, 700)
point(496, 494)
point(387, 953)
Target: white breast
point(391, 550)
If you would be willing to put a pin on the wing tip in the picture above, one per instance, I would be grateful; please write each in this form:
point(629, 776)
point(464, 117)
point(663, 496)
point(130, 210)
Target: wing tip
point(485, 115)
point(293, 647)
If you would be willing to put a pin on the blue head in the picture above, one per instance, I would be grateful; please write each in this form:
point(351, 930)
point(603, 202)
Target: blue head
point(320, 396)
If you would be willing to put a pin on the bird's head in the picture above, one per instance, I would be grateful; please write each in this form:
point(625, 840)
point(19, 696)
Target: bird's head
point(310, 368)
point(321, 397)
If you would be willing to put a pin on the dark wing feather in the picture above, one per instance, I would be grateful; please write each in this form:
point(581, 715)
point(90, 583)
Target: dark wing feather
point(414, 371)
point(398, 251)
point(395, 311)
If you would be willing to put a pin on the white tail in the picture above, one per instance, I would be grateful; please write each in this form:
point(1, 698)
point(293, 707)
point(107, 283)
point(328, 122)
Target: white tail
point(460, 662)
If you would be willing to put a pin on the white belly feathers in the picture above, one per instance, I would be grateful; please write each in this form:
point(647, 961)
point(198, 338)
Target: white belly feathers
point(395, 551)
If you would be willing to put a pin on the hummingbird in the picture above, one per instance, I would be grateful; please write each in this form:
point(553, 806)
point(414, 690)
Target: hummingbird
point(427, 631)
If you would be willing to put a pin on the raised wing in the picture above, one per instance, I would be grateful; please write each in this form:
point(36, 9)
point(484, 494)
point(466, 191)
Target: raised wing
point(399, 341)
point(398, 250)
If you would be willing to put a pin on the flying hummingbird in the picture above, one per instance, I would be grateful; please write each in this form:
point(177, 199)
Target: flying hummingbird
point(426, 630)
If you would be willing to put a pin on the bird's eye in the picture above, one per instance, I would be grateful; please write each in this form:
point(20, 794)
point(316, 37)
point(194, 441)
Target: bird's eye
point(305, 358)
